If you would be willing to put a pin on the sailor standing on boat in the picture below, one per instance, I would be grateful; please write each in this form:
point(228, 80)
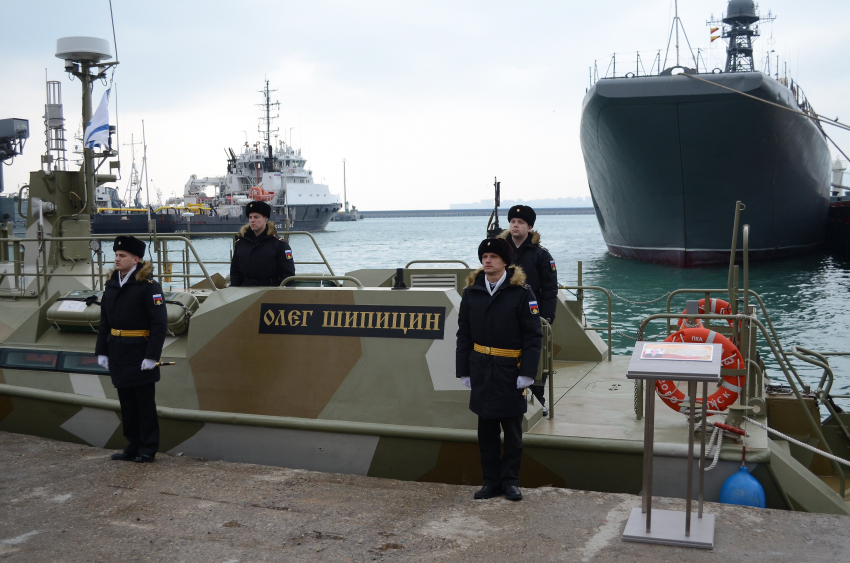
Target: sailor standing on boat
point(260, 256)
point(499, 339)
point(133, 324)
point(539, 268)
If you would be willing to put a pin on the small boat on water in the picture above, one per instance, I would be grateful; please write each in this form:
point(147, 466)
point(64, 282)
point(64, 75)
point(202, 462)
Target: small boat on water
point(669, 152)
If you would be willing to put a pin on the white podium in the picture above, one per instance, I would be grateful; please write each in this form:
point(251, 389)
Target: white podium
point(653, 361)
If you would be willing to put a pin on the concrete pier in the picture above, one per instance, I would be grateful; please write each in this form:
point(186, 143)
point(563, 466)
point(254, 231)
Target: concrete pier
point(67, 502)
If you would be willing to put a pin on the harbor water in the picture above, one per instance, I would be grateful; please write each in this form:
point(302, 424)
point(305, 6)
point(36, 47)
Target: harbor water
point(808, 298)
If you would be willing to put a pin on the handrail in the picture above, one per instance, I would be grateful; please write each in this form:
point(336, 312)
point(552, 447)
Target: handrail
point(740, 318)
point(828, 377)
point(155, 237)
point(608, 295)
point(304, 277)
point(465, 265)
point(763, 308)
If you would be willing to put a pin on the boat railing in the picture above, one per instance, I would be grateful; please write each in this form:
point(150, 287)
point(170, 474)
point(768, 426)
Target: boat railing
point(583, 321)
point(12, 252)
point(752, 393)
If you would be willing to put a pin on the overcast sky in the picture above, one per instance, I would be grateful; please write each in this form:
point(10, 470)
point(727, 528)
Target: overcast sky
point(427, 100)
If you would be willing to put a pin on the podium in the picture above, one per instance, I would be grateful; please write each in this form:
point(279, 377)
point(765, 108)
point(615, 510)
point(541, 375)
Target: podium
point(694, 363)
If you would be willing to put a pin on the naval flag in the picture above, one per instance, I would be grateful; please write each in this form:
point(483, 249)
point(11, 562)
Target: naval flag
point(97, 131)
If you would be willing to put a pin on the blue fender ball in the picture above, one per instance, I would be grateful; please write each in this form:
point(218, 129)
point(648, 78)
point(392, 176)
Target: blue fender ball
point(742, 489)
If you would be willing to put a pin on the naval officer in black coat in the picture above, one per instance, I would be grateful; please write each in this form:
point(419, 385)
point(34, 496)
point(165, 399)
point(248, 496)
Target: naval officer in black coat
point(133, 324)
point(499, 339)
point(538, 265)
point(260, 256)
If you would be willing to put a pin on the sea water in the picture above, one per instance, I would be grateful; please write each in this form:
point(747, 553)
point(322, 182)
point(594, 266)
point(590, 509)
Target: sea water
point(807, 298)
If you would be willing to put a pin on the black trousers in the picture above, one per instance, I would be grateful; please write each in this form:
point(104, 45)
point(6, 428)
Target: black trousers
point(138, 413)
point(500, 469)
point(539, 391)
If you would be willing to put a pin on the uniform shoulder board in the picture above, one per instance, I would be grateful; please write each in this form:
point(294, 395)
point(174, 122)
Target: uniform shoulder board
point(526, 286)
point(150, 281)
point(543, 247)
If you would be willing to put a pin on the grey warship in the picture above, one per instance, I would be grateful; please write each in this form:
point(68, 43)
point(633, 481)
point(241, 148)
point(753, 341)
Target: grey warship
point(668, 155)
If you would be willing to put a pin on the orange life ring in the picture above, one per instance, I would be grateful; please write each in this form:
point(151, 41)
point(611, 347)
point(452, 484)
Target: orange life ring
point(727, 394)
point(717, 306)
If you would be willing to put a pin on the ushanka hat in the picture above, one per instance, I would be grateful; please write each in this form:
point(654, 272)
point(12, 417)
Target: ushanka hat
point(496, 246)
point(523, 212)
point(260, 207)
point(129, 244)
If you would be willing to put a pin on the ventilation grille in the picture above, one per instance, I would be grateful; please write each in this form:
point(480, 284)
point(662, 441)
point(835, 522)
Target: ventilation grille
point(442, 281)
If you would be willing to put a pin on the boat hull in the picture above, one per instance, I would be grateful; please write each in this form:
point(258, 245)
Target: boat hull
point(667, 157)
point(306, 218)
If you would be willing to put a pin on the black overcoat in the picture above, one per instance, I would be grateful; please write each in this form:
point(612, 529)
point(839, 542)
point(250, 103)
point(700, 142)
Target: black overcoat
point(507, 320)
point(138, 305)
point(540, 273)
point(264, 260)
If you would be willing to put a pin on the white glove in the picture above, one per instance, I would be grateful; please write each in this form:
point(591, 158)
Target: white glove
point(148, 364)
point(466, 381)
point(522, 382)
point(103, 361)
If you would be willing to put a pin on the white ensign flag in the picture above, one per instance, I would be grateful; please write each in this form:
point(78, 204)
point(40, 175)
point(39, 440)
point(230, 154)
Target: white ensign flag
point(97, 131)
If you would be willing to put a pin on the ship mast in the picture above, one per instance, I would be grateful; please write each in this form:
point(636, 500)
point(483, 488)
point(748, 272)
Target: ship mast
point(266, 120)
point(740, 26)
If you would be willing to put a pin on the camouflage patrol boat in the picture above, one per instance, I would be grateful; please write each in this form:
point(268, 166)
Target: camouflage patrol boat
point(356, 373)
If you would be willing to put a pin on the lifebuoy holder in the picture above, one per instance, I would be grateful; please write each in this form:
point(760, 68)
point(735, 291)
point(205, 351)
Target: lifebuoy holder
point(728, 392)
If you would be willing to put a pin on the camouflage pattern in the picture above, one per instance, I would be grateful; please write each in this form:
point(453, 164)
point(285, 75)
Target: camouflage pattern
point(342, 379)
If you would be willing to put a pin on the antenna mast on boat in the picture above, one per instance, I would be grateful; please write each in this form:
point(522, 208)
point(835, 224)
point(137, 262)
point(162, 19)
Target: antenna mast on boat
point(676, 24)
point(267, 107)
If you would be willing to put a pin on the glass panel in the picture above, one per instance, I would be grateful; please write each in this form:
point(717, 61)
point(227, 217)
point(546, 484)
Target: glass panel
point(29, 359)
point(80, 362)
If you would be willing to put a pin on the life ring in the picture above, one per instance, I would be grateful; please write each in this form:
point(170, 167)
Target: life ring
point(727, 394)
point(717, 306)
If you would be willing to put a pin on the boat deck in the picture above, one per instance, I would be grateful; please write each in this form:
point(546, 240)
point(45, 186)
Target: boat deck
point(595, 400)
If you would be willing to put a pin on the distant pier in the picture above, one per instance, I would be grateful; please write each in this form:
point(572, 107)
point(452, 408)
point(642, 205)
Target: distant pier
point(470, 212)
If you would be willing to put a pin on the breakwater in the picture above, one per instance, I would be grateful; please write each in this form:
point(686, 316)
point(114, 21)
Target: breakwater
point(470, 212)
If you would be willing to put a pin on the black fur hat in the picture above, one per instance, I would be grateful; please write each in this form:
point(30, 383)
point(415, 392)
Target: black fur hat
point(260, 207)
point(129, 244)
point(497, 246)
point(523, 212)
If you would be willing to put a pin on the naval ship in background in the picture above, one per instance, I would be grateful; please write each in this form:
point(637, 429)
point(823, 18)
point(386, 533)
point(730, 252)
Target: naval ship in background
point(668, 155)
point(262, 172)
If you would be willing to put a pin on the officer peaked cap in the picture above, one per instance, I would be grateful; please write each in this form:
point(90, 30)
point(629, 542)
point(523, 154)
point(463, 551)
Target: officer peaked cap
point(496, 246)
point(260, 207)
point(129, 244)
point(523, 212)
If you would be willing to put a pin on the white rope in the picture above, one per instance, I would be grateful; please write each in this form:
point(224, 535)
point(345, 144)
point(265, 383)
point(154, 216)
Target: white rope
point(799, 443)
point(714, 434)
point(792, 440)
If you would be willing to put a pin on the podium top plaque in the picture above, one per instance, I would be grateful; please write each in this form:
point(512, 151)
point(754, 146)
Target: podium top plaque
point(675, 360)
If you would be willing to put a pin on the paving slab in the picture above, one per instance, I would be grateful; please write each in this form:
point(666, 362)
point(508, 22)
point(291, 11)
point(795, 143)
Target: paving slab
point(67, 502)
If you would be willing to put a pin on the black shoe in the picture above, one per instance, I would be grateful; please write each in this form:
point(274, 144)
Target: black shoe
point(124, 456)
point(512, 493)
point(144, 458)
point(487, 492)
point(545, 411)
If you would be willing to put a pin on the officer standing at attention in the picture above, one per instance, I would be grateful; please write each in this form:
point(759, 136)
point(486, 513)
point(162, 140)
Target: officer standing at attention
point(133, 324)
point(539, 268)
point(499, 339)
point(260, 257)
